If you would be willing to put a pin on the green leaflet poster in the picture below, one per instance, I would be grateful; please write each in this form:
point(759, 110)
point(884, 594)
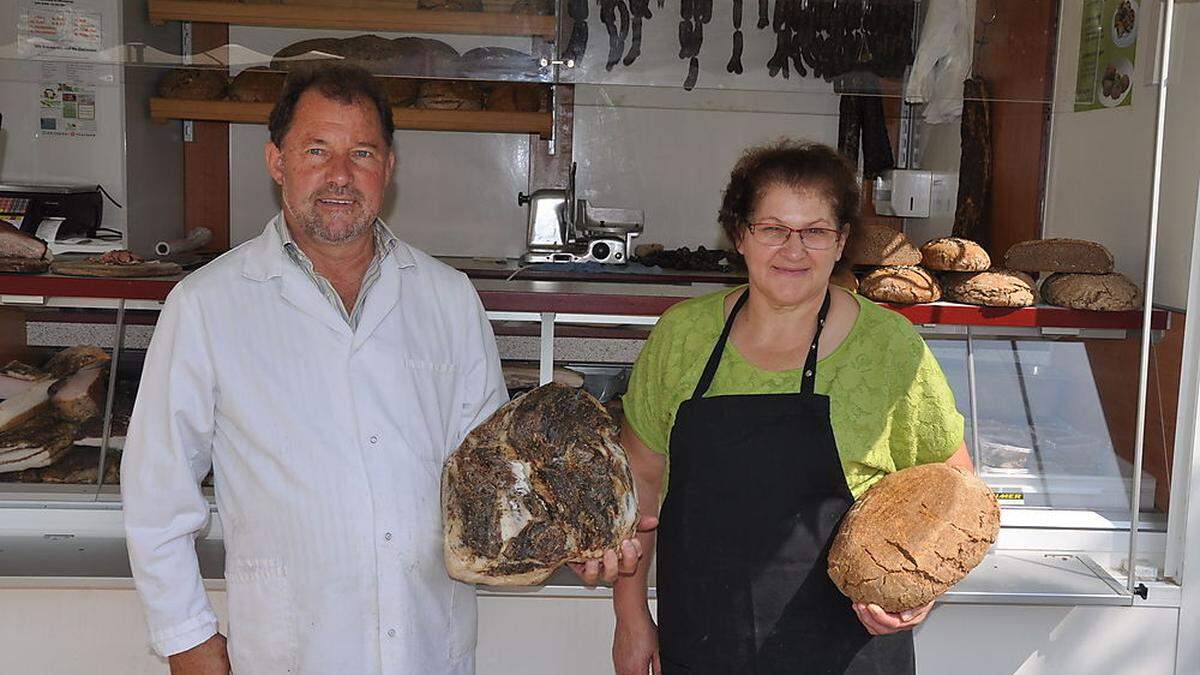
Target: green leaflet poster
point(1107, 47)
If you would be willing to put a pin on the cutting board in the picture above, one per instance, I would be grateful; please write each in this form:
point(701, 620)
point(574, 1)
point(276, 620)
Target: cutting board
point(150, 268)
point(24, 265)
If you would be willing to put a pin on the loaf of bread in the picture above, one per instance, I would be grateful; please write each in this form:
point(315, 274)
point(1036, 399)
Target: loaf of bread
point(954, 254)
point(424, 57)
point(256, 85)
point(196, 84)
point(914, 534)
point(844, 277)
point(880, 245)
point(450, 95)
point(903, 285)
point(1098, 292)
point(538, 7)
point(401, 92)
point(515, 97)
point(495, 61)
point(1059, 255)
point(452, 5)
point(307, 51)
point(995, 288)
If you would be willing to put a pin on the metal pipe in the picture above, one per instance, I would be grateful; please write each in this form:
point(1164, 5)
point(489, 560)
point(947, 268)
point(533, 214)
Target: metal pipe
point(106, 434)
point(1148, 301)
point(973, 396)
point(546, 350)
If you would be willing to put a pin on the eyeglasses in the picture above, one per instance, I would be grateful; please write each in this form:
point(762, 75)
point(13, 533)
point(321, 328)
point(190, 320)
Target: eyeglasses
point(813, 238)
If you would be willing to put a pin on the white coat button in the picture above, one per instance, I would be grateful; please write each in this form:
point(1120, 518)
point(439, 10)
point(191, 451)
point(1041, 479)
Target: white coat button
point(374, 440)
point(391, 632)
point(387, 536)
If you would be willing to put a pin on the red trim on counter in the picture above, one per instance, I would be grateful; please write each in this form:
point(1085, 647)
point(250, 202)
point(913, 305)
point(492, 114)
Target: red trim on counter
point(638, 302)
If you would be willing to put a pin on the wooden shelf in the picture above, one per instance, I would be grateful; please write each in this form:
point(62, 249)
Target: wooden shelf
point(331, 16)
point(493, 121)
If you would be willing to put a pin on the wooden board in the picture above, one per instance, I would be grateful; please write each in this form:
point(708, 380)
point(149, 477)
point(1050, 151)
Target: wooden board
point(24, 265)
point(87, 269)
point(493, 121)
point(331, 16)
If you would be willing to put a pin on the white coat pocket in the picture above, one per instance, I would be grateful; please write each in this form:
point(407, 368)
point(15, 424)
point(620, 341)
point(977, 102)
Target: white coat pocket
point(262, 617)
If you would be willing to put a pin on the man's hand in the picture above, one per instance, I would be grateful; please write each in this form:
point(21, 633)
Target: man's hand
point(621, 562)
point(635, 647)
point(879, 622)
point(207, 658)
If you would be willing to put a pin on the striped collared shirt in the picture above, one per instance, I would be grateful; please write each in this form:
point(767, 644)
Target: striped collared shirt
point(385, 241)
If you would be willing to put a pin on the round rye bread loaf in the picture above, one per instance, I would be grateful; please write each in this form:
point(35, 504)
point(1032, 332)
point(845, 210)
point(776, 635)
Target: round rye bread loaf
point(844, 277)
point(1097, 292)
point(881, 245)
point(954, 254)
point(914, 534)
point(903, 285)
point(995, 288)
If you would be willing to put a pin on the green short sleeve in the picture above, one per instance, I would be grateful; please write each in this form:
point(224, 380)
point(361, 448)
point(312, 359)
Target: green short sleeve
point(646, 401)
point(926, 425)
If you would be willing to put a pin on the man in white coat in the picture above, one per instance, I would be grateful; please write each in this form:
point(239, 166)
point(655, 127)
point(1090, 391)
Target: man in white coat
point(323, 370)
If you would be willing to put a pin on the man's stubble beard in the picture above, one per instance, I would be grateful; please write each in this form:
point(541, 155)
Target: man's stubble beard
point(309, 218)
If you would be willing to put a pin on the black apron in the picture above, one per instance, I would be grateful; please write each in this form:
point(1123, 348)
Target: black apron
point(755, 495)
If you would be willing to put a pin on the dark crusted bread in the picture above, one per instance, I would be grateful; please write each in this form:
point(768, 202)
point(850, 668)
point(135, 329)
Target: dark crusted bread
point(904, 285)
point(539, 7)
point(255, 85)
point(541, 482)
point(311, 50)
point(499, 61)
point(452, 5)
point(995, 288)
point(400, 92)
point(954, 254)
point(197, 84)
point(1099, 292)
point(880, 245)
point(450, 95)
point(1059, 255)
point(844, 277)
point(515, 97)
point(912, 535)
point(424, 57)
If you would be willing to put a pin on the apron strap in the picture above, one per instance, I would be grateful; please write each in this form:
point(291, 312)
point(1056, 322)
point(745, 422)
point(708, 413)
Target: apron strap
point(809, 380)
point(714, 359)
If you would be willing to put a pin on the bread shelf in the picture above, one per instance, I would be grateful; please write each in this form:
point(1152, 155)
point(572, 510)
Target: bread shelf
point(577, 298)
point(420, 119)
point(331, 16)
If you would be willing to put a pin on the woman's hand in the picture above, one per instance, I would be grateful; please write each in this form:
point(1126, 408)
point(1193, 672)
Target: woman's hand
point(616, 562)
point(635, 647)
point(879, 622)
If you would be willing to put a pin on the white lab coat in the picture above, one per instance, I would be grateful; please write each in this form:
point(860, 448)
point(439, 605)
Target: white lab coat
point(327, 447)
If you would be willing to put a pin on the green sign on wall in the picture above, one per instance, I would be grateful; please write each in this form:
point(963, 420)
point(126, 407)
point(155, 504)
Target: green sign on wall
point(1107, 50)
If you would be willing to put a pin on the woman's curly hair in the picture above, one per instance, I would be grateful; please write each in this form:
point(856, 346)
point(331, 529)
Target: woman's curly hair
point(801, 165)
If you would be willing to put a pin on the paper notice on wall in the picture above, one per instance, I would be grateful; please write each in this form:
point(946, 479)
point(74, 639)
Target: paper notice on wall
point(67, 101)
point(1107, 51)
point(60, 29)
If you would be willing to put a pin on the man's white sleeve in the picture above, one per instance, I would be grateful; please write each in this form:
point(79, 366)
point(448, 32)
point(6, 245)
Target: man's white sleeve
point(482, 380)
point(168, 451)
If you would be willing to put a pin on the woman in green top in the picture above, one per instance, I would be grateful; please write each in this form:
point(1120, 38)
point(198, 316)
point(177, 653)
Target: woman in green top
point(776, 404)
